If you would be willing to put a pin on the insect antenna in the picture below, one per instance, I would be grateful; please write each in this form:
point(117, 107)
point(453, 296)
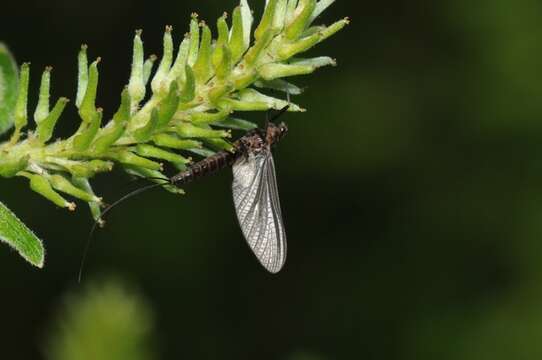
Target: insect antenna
point(99, 221)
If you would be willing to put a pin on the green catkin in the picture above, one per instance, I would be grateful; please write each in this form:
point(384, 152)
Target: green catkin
point(187, 108)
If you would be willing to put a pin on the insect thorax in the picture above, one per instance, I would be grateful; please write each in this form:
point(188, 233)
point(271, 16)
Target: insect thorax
point(253, 143)
point(257, 142)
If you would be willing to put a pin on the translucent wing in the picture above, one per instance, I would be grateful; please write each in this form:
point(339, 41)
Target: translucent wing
point(257, 204)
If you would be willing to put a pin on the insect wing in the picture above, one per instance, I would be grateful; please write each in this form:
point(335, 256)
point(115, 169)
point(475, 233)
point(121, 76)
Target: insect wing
point(255, 195)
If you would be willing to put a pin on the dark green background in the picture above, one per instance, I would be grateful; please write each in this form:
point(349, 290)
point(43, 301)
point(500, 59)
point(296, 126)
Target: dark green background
point(411, 191)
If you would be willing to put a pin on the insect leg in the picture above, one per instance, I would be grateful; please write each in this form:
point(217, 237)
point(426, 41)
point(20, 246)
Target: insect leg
point(281, 111)
point(262, 131)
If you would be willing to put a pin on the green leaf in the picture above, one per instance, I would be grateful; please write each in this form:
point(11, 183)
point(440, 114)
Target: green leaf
point(174, 142)
point(203, 152)
point(43, 187)
point(150, 151)
point(87, 110)
point(157, 83)
point(10, 166)
point(88, 131)
point(248, 19)
point(302, 20)
point(250, 99)
point(279, 85)
point(20, 237)
point(136, 85)
point(321, 6)
point(236, 124)
point(194, 40)
point(169, 105)
point(9, 80)
point(280, 15)
point(177, 71)
point(42, 110)
point(202, 67)
point(82, 77)
point(219, 144)
point(267, 19)
point(186, 130)
point(237, 42)
point(144, 133)
point(46, 127)
point(188, 91)
point(254, 53)
point(20, 112)
point(208, 117)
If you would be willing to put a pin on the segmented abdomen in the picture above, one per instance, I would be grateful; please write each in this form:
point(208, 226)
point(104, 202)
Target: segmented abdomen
point(207, 166)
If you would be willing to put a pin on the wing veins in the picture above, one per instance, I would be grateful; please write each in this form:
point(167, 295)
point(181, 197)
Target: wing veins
point(258, 210)
point(276, 213)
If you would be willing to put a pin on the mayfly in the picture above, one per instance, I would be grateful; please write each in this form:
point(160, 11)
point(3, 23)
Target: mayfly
point(254, 188)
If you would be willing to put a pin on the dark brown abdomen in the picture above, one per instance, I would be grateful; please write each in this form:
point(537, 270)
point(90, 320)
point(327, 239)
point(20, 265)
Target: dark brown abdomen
point(207, 166)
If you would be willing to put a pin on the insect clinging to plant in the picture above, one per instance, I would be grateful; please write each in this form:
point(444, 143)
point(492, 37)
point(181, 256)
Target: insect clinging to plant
point(254, 189)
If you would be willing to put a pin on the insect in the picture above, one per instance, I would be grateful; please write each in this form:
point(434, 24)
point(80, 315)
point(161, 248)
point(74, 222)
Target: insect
point(254, 188)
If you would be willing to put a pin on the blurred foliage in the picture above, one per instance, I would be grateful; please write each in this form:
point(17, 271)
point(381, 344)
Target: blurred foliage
point(304, 355)
point(106, 321)
point(508, 329)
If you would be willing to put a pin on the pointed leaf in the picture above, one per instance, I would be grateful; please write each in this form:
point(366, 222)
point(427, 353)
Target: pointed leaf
point(194, 40)
point(280, 85)
point(188, 92)
point(147, 68)
point(250, 99)
point(136, 84)
point(280, 15)
point(177, 72)
point(202, 67)
point(290, 10)
point(16, 234)
point(236, 124)
point(43, 187)
point(95, 208)
point(316, 62)
point(237, 42)
point(42, 109)
point(87, 109)
point(46, 126)
point(88, 132)
point(82, 76)
point(21, 106)
point(248, 19)
point(150, 151)
point(174, 142)
point(9, 80)
point(266, 23)
point(165, 64)
point(321, 6)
